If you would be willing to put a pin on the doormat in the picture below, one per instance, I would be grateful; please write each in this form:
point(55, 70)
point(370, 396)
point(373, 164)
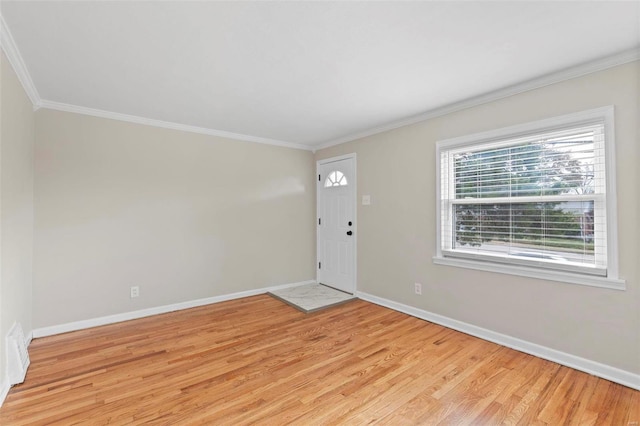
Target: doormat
point(312, 297)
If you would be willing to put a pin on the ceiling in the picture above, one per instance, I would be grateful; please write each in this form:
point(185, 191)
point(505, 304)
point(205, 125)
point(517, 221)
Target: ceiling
point(304, 73)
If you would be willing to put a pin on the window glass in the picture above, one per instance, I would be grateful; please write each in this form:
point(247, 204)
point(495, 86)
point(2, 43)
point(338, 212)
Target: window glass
point(335, 178)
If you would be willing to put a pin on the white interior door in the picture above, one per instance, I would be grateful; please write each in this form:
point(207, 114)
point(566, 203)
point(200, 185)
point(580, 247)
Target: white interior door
point(336, 223)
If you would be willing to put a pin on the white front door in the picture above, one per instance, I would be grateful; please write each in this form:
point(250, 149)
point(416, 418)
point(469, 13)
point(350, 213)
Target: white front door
point(336, 223)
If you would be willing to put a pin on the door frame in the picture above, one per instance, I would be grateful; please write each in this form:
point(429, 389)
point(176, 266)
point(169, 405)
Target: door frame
point(354, 197)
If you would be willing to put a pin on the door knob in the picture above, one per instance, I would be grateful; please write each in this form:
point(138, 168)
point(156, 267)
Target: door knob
point(349, 233)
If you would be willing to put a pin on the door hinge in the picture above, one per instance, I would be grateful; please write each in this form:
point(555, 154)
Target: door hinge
point(318, 178)
point(319, 265)
point(319, 221)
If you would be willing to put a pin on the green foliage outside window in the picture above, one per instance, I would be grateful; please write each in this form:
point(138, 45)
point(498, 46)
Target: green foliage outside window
point(533, 169)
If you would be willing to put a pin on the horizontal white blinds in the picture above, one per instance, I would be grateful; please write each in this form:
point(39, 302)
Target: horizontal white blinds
point(536, 200)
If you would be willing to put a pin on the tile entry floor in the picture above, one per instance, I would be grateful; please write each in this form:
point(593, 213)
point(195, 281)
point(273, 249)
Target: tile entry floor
point(312, 297)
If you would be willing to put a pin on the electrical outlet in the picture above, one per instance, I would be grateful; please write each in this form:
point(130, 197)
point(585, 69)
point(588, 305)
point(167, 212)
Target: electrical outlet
point(135, 291)
point(418, 288)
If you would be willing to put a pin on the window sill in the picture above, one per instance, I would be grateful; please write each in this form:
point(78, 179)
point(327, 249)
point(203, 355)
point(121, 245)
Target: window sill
point(566, 277)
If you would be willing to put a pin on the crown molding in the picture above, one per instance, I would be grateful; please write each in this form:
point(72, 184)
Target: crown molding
point(59, 106)
point(16, 61)
point(620, 58)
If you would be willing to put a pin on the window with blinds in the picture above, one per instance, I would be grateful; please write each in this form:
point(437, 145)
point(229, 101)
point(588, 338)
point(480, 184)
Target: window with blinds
point(535, 199)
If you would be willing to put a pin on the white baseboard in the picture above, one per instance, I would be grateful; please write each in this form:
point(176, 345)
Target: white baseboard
point(5, 384)
point(4, 390)
point(126, 316)
point(613, 374)
point(110, 319)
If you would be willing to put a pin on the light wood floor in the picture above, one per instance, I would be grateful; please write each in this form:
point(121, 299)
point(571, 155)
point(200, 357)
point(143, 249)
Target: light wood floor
point(257, 360)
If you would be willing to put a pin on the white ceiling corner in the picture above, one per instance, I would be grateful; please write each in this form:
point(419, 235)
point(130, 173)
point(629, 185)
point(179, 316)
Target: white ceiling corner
point(16, 61)
point(303, 75)
point(166, 124)
point(600, 64)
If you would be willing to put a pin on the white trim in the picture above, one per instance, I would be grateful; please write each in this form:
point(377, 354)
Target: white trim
point(4, 389)
point(603, 115)
point(59, 106)
point(529, 199)
point(608, 372)
point(601, 64)
point(4, 384)
point(16, 61)
point(15, 58)
point(611, 190)
point(539, 126)
point(532, 272)
point(354, 191)
point(126, 316)
point(338, 158)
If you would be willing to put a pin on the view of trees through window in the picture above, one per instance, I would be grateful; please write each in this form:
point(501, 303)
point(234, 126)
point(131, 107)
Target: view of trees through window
point(532, 199)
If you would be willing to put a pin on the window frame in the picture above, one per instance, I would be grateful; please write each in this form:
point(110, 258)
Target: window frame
point(605, 115)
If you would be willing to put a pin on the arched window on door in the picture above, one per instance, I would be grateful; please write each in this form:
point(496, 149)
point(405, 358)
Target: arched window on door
point(335, 178)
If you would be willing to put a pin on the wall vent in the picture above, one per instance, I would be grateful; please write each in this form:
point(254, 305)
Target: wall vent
point(17, 355)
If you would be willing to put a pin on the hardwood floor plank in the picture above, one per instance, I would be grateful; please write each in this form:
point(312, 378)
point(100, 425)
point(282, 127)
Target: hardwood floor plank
point(258, 361)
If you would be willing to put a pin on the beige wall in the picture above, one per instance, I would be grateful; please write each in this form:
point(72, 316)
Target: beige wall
point(188, 216)
point(397, 235)
point(16, 206)
point(184, 216)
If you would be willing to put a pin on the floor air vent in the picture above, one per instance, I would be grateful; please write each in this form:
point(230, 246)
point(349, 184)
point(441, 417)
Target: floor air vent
point(17, 355)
